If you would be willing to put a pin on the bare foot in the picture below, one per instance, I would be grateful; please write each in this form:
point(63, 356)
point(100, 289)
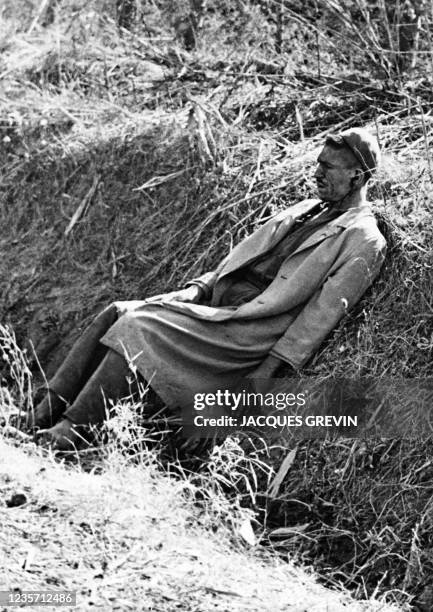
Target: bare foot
point(63, 436)
point(48, 411)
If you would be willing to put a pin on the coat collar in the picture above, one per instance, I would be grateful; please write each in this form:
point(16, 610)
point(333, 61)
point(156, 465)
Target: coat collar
point(351, 216)
point(344, 220)
point(268, 235)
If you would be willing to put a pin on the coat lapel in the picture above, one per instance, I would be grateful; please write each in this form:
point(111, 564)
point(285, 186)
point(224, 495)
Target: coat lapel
point(255, 245)
point(319, 236)
point(333, 227)
point(265, 238)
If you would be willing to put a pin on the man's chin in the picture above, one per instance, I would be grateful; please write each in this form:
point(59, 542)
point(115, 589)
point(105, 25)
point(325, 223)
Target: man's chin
point(322, 194)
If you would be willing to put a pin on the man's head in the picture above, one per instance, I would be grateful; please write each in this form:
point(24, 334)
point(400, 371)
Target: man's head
point(346, 163)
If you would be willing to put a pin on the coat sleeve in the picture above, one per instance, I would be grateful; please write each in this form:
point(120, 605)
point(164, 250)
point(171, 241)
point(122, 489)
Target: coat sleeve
point(207, 280)
point(329, 304)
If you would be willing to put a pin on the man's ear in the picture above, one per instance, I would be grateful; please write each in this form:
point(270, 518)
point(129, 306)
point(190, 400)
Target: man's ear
point(358, 178)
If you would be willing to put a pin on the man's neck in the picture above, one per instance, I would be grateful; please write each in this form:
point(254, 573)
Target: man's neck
point(352, 200)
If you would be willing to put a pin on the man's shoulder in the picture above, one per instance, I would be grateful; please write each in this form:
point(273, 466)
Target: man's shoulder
point(363, 229)
point(295, 210)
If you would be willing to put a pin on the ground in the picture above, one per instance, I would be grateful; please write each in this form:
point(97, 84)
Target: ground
point(130, 538)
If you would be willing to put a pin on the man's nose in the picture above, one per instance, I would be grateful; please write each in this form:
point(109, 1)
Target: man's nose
point(319, 172)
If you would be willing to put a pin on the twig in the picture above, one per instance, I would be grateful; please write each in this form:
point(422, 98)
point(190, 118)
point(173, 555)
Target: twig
point(426, 144)
point(159, 180)
point(83, 206)
point(281, 474)
point(41, 9)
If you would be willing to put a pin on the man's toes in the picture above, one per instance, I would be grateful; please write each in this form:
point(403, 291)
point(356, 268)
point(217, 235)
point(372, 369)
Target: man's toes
point(47, 439)
point(61, 437)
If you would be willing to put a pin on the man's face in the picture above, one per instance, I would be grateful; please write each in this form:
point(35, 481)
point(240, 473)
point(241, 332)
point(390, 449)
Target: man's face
point(334, 175)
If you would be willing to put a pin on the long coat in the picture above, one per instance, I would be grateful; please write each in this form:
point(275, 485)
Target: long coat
point(181, 345)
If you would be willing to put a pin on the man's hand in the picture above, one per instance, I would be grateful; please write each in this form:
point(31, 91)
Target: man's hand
point(267, 368)
point(191, 294)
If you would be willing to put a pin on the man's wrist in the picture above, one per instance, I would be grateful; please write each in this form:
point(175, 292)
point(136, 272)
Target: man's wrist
point(268, 366)
point(273, 361)
point(201, 291)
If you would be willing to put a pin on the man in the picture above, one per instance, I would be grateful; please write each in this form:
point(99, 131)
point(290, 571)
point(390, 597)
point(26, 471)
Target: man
point(273, 299)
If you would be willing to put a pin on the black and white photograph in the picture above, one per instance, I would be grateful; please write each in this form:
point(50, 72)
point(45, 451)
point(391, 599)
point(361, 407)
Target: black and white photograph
point(216, 305)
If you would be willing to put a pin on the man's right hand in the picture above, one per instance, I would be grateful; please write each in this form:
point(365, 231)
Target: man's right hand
point(191, 294)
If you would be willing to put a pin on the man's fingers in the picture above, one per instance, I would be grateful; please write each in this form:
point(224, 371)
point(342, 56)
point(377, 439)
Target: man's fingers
point(184, 295)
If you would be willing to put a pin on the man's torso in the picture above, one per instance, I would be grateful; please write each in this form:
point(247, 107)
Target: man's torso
point(249, 281)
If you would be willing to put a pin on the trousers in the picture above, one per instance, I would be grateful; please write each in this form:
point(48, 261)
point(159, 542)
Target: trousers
point(92, 373)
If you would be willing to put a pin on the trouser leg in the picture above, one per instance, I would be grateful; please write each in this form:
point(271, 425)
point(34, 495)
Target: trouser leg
point(81, 361)
point(84, 357)
point(108, 381)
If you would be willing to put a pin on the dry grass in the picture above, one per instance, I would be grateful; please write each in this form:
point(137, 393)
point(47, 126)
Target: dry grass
point(109, 525)
point(128, 538)
point(171, 158)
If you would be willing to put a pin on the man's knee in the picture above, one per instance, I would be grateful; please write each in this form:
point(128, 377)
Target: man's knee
point(101, 323)
point(111, 309)
point(108, 316)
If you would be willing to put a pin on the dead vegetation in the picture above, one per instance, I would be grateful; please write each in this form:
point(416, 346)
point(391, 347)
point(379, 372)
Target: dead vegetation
point(107, 524)
point(129, 165)
point(129, 538)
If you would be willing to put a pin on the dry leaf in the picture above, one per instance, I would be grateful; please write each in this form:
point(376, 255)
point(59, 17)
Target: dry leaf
point(247, 533)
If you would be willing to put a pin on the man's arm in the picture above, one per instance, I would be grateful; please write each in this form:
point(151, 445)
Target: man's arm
point(261, 236)
point(195, 290)
point(328, 305)
point(267, 368)
point(207, 281)
point(201, 287)
point(191, 294)
point(251, 244)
